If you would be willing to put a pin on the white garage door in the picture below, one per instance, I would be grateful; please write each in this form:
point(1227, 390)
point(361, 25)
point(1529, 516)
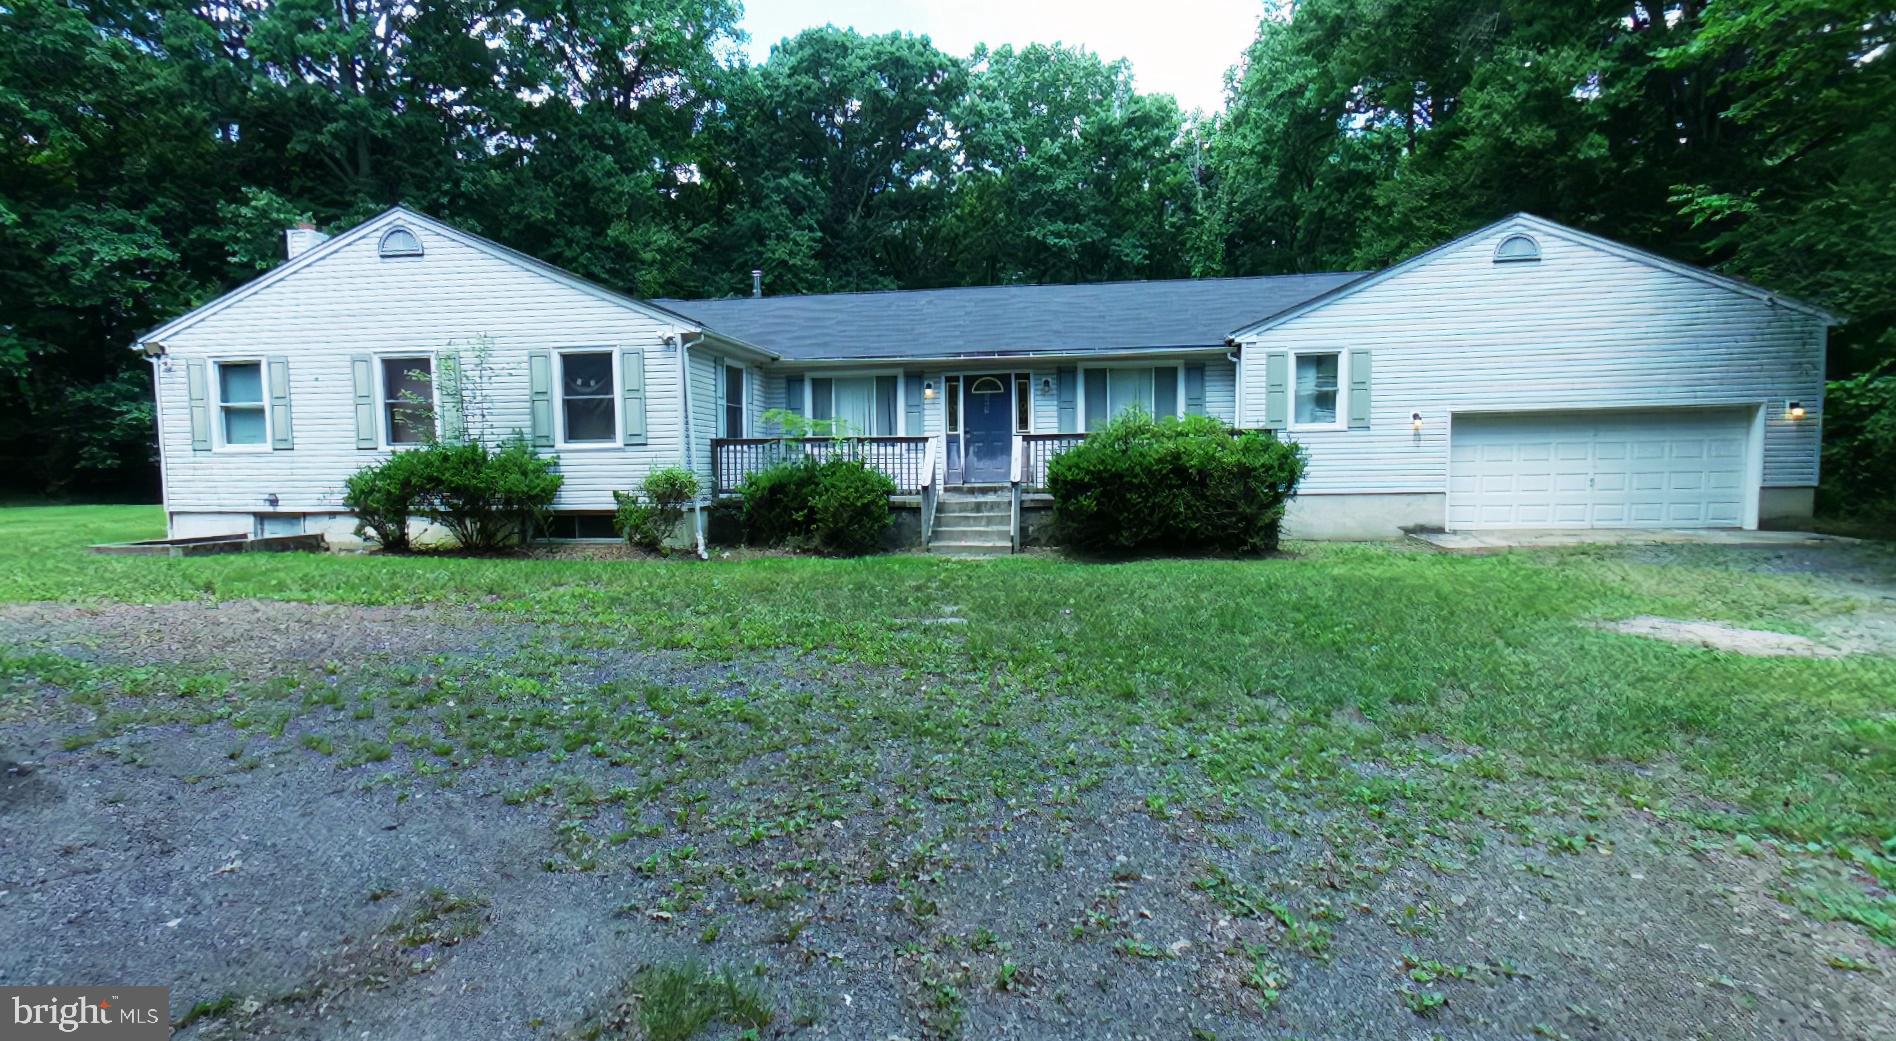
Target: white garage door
point(1682, 468)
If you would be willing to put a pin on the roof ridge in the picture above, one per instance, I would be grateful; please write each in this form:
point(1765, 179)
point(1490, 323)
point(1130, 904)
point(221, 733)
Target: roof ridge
point(1011, 285)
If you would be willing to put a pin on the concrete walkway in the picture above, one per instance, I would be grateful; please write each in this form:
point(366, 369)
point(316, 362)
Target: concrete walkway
point(1498, 541)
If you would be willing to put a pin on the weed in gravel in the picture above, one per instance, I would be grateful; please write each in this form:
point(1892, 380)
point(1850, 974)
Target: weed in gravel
point(441, 919)
point(675, 1002)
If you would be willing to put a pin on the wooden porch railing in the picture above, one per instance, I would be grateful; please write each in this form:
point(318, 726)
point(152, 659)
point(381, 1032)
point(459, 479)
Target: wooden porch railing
point(1037, 450)
point(903, 459)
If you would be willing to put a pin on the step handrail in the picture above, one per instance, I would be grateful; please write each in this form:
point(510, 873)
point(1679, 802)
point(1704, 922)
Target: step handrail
point(931, 492)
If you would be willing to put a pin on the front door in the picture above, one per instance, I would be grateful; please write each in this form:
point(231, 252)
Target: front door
point(987, 425)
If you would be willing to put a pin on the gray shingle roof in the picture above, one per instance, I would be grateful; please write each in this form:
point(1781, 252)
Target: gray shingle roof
point(1000, 320)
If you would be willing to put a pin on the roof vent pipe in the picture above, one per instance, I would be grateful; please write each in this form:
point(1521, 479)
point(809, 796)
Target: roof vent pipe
point(757, 283)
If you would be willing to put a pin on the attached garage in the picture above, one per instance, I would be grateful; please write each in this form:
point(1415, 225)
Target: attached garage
point(1665, 468)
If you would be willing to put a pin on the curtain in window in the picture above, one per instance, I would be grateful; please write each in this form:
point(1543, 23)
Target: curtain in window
point(1316, 388)
point(855, 405)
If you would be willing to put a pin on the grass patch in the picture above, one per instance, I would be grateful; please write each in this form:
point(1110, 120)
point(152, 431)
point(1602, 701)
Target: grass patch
point(1401, 687)
point(675, 1002)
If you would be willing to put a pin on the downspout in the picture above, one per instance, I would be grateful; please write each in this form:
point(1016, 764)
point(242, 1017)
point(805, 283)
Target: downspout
point(684, 388)
point(158, 422)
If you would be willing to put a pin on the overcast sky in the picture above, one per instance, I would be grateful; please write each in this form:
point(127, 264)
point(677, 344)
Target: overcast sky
point(1180, 47)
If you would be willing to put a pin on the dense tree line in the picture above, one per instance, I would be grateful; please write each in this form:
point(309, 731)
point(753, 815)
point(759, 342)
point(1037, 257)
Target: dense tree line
point(151, 151)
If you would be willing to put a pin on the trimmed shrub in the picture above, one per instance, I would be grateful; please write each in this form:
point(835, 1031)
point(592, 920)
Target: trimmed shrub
point(777, 502)
point(488, 500)
point(648, 520)
point(1193, 484)
point(849, 510)
point(383, 496)
point(839, 507)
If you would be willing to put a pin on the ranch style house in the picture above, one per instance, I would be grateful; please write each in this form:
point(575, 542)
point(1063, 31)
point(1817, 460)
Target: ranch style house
point(1526, 375)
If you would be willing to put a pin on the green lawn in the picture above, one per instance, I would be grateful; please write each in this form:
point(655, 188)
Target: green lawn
point(1256, 673)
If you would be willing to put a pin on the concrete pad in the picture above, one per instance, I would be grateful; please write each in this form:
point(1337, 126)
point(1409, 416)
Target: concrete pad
point(1501, 541)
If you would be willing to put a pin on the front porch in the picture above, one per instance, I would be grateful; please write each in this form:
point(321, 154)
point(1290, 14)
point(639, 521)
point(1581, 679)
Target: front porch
point(926, 470)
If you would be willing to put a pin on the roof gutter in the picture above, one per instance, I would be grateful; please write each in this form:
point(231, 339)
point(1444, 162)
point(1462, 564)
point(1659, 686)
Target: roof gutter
point(911, 359)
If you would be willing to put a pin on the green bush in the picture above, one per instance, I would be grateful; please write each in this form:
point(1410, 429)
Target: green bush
point(1193, 484)
point(383, 496)
point(849, 508)
point(1859, 456)
point(648, 520)
point(839, 507)
point(489, 500)
point(777, 502)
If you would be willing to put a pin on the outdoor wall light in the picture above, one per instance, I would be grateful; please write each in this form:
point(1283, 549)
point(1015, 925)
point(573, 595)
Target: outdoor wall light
point(928, 391)
point(1794, 409)
point(1415, 421)
point(1046, 386)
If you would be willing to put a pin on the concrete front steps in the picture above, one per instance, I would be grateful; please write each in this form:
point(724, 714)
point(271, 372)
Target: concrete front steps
point(972, 524)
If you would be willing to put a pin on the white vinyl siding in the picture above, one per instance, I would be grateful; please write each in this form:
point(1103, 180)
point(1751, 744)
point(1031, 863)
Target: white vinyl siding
point(451, 299)
point(1581, 328)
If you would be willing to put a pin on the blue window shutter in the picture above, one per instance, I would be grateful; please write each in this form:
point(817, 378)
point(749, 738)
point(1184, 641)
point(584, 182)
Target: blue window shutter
point(1359, 390)
point(1068, 379)
point(280, 434)
point(632, 395)
point(1165, 392)
point(1095, 398)
point(362, 373)
point(912, 402)
point(718, 374)
point(821, 398)
point(1194, 390)
point(793, 395)
point(540, 395)
point(1277, 390)
point(197, 387)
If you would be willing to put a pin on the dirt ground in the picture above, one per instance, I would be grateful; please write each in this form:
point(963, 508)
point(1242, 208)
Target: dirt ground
point(285, 893)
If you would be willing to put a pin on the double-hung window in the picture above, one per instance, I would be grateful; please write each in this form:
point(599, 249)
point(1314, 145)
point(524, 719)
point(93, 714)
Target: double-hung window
point(408, 400)
point(1316, 380)
point(243, 419)
point(589, 412)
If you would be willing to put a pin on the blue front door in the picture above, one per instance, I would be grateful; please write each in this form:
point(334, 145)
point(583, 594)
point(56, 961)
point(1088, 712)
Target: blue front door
point(987, 428)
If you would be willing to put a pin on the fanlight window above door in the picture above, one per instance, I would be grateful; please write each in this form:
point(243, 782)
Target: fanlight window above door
point(987, 385)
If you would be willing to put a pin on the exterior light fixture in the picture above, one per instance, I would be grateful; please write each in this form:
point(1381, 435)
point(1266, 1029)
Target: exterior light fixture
point(1046, 386)
point(1415, 421)
point(1794, 409)
point(928, 391)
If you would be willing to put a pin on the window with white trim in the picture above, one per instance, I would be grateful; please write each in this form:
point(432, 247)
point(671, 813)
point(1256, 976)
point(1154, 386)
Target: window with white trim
point(243, 416)
point(733, 401)
point(1316, 389)
point(868, 405)
point(408, 400)
point(1106, 392)
point(589, 399)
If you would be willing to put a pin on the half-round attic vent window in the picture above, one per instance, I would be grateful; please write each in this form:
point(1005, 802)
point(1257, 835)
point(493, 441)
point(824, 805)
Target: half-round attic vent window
point(399, 242)
point(1516, 248)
